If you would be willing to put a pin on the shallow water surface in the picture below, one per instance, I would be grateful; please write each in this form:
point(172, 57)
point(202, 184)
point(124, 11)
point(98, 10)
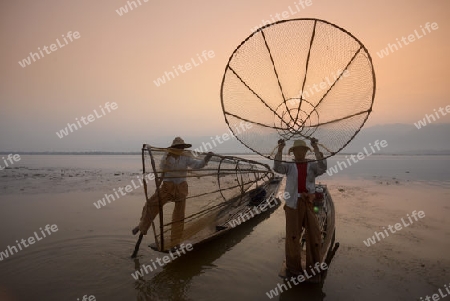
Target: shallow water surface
point(90, 252)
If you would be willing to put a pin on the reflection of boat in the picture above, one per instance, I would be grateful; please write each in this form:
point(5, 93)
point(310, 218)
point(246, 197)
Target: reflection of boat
point(176, 279)
point(325, 213)
point(222, 195)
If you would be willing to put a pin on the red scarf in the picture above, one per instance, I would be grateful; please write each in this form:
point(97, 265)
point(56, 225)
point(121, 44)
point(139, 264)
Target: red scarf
point(302, 171)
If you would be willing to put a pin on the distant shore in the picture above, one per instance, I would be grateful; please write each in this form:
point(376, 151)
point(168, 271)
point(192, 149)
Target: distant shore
point(437, 153)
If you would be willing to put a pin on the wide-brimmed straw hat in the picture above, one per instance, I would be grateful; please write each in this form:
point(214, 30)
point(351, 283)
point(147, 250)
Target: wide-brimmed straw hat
point(299, 143)
point(180, 142)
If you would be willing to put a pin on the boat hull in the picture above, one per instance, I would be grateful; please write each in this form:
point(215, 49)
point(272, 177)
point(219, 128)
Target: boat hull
point(238, 212)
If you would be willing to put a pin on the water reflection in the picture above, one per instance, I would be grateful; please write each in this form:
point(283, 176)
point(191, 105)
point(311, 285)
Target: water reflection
point(174, 281)
point(310, 292)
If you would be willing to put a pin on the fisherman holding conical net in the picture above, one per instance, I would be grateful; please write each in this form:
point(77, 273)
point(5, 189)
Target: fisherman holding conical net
point(174, 188)
point(299, 211)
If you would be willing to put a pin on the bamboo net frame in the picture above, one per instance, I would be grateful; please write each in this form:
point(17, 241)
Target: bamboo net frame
point(224, 181)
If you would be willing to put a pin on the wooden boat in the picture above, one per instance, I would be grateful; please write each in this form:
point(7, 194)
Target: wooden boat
point(245, 191)
point(325, 214)
point(224, 194)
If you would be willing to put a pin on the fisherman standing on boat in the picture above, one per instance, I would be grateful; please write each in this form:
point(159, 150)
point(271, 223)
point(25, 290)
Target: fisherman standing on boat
point(174, 188)
point(300, 188)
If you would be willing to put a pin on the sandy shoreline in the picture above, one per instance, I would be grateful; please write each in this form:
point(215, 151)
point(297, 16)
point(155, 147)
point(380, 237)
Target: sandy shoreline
point(410, 262)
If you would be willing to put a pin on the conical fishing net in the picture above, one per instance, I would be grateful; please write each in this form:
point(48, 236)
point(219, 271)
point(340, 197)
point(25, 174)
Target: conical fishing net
point(211, 192)
point(298, 79)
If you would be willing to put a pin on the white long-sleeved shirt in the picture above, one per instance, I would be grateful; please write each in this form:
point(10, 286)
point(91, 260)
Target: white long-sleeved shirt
point(313, 170)
point(179, 166)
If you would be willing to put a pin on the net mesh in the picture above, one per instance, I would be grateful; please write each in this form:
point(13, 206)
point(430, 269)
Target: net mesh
point(298, 79)
point(224, 183)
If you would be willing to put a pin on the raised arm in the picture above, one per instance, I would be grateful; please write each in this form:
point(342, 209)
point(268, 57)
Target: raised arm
point(197, 163)
point(278, 166)
point(321, 165)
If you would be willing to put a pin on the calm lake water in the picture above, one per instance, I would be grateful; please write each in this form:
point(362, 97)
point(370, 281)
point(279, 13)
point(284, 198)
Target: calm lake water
point(427, 168)
point(90, 252)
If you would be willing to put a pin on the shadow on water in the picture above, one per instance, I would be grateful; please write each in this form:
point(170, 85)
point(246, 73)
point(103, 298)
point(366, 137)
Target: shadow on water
point(310, 291)
point(305, 291)
point(174, 281)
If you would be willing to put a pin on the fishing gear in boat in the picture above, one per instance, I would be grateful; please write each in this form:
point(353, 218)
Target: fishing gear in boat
point(194, 203)
point(298, 79)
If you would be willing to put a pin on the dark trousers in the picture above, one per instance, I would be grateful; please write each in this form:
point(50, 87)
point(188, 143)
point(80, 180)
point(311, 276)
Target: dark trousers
point(169, 192)
point(295, 220)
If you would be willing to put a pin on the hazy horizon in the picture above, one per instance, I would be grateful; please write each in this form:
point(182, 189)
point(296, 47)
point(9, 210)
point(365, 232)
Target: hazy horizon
point(94, 64)
point(400, 138)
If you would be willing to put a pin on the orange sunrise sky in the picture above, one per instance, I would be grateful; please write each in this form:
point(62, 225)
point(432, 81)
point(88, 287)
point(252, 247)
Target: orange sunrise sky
point(117, 59)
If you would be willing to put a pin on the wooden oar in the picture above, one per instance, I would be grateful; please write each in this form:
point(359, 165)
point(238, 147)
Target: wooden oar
point(136, 248)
